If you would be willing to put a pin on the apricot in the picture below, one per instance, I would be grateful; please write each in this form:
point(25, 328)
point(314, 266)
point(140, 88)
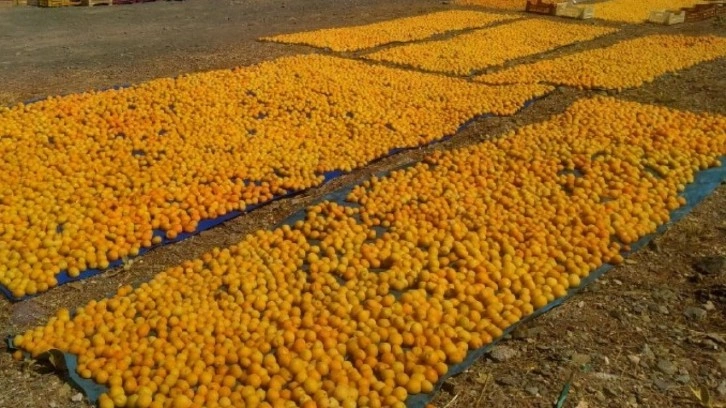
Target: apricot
point(627, 64)
point(397, 30)
point(465, 53)
point(479, 237)
point(637, 11)
point(171, 152)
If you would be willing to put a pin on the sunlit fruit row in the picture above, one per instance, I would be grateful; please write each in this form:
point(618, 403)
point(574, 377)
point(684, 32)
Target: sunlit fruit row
point(88, 178)
point(391, 31)
point(627, 64)
point(495, 4)
point(486, 47)
point(366, 302)
point(630, 11)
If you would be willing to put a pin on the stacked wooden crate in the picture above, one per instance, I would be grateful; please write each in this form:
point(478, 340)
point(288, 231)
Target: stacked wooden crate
point(54, 3)
point(702, 11)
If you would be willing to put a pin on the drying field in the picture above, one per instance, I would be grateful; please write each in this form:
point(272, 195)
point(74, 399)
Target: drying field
point(348, 206)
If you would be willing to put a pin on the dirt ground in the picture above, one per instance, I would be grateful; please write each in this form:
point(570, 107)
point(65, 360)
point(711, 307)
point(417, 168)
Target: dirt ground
point(639, 337)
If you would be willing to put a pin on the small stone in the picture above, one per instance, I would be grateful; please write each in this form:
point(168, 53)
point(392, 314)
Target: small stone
point(634, 359)
point(617, 282)
point(663, 309)
point(77, 397)
point(601, 340)
point(711, 265)
point(534, 331)
point(663, 295)
point(611, 391)
point(605, 376)
point(709, 306)
point(716, 337)
point(721, 360)
point(502, 353)
point(580, 359)
point(683, 379)
point(653, 244)
point(52, 404)
point(448, 387)
point(520, 333)
point(534, 391)
point(580, 303)
point(616, 314)
point(667, 367)
point(508, 380)
point(709, 344)
point(694, 313)
point(600, 396)
point(648, 353)
point(483, 378)
point(662, 385)
point(721, 388)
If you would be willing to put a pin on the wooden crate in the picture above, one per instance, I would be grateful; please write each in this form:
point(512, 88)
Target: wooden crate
point(667, 17)
point(540, 7)
point(54, 3)
point(572, 11)
point(704, 11)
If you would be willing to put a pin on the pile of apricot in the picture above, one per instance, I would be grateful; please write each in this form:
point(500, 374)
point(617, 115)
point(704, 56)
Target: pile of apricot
point(495, 4)
point(89, 178)
point(627, 64)
point(487, 47)
point(365, 302)
point(391, 31)
point(629, 11)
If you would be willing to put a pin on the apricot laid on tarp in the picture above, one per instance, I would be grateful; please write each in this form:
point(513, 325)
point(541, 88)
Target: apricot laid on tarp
point(324, 313)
